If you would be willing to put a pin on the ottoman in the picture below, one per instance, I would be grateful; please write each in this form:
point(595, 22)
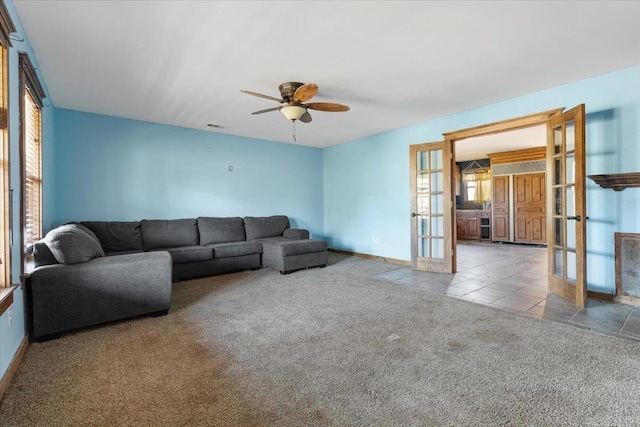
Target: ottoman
point(288, 255)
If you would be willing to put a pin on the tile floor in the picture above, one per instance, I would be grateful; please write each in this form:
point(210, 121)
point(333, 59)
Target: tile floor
point(514, 278)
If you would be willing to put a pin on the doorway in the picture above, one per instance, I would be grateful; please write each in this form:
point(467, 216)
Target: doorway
point(500, 187)
point(564, 189)
point(500, 211)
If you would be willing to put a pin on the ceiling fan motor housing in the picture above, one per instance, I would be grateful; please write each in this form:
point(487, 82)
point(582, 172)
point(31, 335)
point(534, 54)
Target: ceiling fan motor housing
point(288, 89)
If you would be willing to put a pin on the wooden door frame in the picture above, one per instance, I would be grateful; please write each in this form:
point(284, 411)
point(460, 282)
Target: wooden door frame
point(508, 125)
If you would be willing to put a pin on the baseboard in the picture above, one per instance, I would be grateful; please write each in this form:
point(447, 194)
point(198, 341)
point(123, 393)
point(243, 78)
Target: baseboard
point(13, 366)
point(373, 257)
point(627, 299)
point(600, 295)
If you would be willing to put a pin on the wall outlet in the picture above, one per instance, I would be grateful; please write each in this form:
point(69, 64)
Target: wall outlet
point(230, 168)
point(10, 315)
point(375, 240)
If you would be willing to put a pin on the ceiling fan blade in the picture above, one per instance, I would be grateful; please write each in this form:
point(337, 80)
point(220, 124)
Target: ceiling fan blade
point(305, 118)
point(259, 95)
point(305, 92)
point(267, 110)
point(327, 106)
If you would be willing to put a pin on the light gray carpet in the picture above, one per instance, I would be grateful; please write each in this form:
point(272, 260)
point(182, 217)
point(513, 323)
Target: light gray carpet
point(326, 347)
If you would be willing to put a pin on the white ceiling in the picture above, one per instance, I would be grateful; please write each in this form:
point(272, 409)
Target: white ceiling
point(478, 147)
point(394, 63)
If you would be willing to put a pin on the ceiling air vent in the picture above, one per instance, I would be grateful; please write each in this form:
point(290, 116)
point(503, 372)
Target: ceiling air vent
point(217, 126)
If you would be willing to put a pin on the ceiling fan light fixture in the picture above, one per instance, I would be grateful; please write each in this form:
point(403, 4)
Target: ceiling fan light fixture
point(293, 112)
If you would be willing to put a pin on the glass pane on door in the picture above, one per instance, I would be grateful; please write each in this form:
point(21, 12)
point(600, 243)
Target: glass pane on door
point(422, 182)
point(436, 159)
point(422, 160)
point(559, 263)
point(571, 266)
point(558, 235)
point(437, 204)
point(436, 181)
point(423, 247)
point(570, 138)
point(570, 201)
point(571, 235)
point(557, 170)
point(423, 204)
point(557, 139)
point(437, 248)
point(570, 167)
point(437, 225)
point(423, 226)
point(557, 201)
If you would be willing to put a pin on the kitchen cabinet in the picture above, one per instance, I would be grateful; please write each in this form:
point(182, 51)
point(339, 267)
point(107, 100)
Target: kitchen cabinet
point(473, 224)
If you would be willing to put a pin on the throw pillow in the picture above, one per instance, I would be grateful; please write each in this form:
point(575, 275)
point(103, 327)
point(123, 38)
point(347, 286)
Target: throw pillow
point(71, 244)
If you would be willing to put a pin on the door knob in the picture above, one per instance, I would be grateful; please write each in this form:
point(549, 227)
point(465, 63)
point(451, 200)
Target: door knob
point(413, 214)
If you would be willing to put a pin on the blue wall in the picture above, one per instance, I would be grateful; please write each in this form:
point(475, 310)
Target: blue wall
point(13, 330)
point(366, 182)
point(110, 168)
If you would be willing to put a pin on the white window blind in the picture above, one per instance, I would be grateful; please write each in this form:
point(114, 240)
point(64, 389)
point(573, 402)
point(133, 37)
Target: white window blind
point(32, 170)
point(31, 96)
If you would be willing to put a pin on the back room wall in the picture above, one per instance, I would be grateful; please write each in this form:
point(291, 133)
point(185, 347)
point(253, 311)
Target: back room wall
point(114, 169)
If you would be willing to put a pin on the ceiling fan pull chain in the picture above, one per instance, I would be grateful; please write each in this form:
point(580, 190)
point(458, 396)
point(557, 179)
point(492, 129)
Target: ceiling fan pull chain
point(294, 131)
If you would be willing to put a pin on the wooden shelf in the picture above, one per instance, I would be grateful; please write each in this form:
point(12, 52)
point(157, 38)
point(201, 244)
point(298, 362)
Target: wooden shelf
point(617, 181)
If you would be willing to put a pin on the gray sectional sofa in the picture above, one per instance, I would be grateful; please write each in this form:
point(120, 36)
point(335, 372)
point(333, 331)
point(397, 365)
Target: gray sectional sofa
point(93, 272)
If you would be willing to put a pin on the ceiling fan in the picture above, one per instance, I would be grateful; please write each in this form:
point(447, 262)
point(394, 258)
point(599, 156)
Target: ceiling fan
point(295, 95)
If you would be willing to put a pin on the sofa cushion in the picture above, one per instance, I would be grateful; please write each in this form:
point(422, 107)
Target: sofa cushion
point(227, 250)
point(261, 227)
point(117, 235)
point(287, 247)
point(189, 254)
point(71, 244)
point(220, 230)
point(168, 233)
point(296, 233)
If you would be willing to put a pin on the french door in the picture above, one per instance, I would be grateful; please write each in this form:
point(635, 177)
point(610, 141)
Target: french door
point(432, 195)
point(431, 206)
point(566, 212)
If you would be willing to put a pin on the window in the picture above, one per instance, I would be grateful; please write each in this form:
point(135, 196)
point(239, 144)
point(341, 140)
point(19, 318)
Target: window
point(32, 170)
point(31, 95)
point(6, 27)
point(471, 190)
point(477, 183)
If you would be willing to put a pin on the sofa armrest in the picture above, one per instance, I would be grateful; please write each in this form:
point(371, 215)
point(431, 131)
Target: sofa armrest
point(296, 233)
point(65, 297)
